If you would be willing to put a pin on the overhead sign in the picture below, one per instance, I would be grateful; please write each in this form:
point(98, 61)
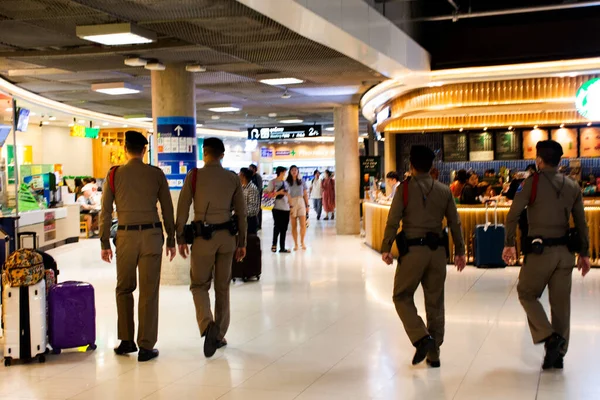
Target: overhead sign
point(82, 131)
point(285, 132)
point(177, 148)
point(587, 99)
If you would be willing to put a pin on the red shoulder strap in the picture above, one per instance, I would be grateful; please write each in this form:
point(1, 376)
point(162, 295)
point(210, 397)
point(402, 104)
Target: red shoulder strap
point(111, 178)
point(194, 179)
point(405, 192)
point(534, 187)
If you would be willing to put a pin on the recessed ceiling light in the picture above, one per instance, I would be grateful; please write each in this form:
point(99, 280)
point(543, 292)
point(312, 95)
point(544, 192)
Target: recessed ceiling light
point(281, 81)
point(589, 124)
point(125, 126)
point(52, 118)
point(32, 114)
point(225, 109)
point(136, 62)
point(461, 129)
point(96, 126)
point(291, 121)
point(215, 117)
point(535, 127)
point(151, 130)
point(105, 123)
point(115, 34)
point(272, 115)
point(286, 95)
point(71, 125)
point(510, 128)
point(330, 128)
point(485, 129)
point(116, 88)
point(155, 66)
point(138, 118)
point(435, 84)
point(81, 121)
point(195, 68)
point(46, 123)
point(562, 125)
point(9, 109)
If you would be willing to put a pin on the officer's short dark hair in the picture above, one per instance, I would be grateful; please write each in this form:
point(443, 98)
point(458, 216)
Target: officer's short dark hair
point(393, 175)
point(421, 158)
point(214, 147)
point(135, 142)
point(280, 170)
point(247, 173)
point(550, 152)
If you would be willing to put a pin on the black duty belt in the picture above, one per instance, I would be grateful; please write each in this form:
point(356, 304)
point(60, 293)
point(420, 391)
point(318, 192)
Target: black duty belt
point(417, 242)
point(215, 227)
point(141, 227)
point(553, 242)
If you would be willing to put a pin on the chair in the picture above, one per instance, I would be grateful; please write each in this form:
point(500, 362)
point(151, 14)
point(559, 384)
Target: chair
point(83, 227)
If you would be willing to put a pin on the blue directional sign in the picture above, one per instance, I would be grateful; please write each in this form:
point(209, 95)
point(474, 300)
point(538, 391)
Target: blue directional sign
point(177, 148)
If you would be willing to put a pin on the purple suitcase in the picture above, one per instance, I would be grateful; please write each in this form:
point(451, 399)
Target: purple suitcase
point(72, 316)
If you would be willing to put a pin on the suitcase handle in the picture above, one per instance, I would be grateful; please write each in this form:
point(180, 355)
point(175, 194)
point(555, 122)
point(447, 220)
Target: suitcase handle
point(487, 220)
point(22, 235)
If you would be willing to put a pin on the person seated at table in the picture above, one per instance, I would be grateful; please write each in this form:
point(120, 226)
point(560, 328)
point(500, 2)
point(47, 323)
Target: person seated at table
point(470, 193)
point(89, 208)
point(392, 181)
point(459, 183)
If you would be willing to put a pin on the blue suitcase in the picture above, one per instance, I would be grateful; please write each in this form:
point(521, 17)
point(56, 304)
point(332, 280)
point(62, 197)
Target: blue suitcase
point(489, 242)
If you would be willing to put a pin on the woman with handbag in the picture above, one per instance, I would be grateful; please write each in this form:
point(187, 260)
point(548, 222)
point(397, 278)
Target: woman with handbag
point(279, 190)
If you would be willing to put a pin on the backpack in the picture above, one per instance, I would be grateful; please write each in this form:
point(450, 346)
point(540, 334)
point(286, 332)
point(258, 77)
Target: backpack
point(24, 267)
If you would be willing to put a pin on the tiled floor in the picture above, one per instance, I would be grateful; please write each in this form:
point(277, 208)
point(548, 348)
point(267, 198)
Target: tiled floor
point(320, 325)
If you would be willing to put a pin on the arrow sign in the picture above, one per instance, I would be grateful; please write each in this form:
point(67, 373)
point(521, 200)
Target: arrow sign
point(178, 130)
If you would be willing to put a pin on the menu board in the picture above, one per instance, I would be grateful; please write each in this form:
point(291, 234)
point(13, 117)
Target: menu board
point(530, 140)
point(481, 147)
point(589, 142)
point(455, 147)
point(568, 140)
point(508, 145)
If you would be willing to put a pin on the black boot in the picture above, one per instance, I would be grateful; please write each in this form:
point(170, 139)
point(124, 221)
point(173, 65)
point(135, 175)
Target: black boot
point(560, 363)
point(147, 355)
point(126, 347)
point(553, 346)
point(434, 364)
point(424, 346)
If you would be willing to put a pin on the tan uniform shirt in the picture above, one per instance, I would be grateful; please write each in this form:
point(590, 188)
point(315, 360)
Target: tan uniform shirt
point(429, 202)
point(558, 196)
point(138, 187)
point(218, 191)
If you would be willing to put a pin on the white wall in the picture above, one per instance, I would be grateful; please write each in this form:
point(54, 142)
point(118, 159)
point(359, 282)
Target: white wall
point(59, 147)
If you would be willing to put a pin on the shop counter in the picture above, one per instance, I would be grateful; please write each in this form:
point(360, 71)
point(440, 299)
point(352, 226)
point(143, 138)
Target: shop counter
point(375, 218)
point(54, 227)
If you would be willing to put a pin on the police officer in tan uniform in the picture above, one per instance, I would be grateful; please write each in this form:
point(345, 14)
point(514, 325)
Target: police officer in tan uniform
point(423, 255)
point(550, 258)
point(137, 189)
point(215, 244)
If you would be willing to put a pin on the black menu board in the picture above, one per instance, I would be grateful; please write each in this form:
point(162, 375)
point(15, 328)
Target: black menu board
point(455, 147)
point(508, 145)
point(481, 147)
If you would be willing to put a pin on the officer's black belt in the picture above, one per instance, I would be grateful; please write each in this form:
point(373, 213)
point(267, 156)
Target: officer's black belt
point(421, 242)
point(217, 227)
point(553, 242)
point(141, 227)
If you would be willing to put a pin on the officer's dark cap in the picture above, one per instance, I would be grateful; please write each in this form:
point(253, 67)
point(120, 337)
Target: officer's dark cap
point(421, 158)
point(214, 146)
point(135, 139)
point(550, 151)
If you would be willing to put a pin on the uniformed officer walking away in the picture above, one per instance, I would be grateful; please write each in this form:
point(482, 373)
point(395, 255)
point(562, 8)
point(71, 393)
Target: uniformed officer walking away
point(421, 204)
point(551, 198)
point(213, 194)
point(135, 188)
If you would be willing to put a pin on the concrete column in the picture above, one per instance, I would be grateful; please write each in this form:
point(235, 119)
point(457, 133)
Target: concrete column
point(347, 170)
point(173, 95)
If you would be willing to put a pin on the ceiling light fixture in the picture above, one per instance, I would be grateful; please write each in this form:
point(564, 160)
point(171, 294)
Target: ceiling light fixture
point(330, 128)
point(562, 125)
point(81, 121)
point(155, 66)
point(589, 124)
point(9, 109)
point(115, 34)
point(535, 127)
point(461, 129)
point(286, 95)
point(46, 123)
point(125, 126)
point(215, 117)
point(105, 123)
point(510, 128)
point(195, 68)
point(292, 121)
point(281, 81)
point(71, 125)
point(136, 62)
point(52, 118)
point(199, 125)
point(116, 88)
point(96, 126)
point(485, 129)
point(32, 114)
point(272, 115)
point(138, 118)
point(223, 109)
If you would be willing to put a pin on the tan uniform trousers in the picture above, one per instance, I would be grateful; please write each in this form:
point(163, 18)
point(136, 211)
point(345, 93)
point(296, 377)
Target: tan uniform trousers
point(552, 268)
point(212, 258)
point(426, 267)
point(139, 250)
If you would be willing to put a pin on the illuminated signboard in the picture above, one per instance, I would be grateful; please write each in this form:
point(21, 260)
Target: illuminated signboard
point(284, 132)
point(587, 99)
point(82, 131)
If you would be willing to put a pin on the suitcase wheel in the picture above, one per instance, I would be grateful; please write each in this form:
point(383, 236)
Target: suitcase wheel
point(42, 359)
point(258, 277)
point(92, 347)
point(7, 362)
point(56, 351)
point(233, 280)
point(245, 279)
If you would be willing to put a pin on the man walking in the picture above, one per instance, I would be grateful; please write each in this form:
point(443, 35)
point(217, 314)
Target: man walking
point(213, 191)
point(551, 198)
point(258, 182)
point(421, 204)
point(135, 188)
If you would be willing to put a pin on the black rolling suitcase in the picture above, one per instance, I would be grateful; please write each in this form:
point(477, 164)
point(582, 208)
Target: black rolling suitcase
point(251, 265)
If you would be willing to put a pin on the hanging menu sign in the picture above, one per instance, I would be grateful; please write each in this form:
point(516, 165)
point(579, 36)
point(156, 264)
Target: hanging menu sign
point(589, 143)
point(481, 147)
point(455, 147)
point(508, 145)
point(568, 140)
point(285, 132)
point(530, 140)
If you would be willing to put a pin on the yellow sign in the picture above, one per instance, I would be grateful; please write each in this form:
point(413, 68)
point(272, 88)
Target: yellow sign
point(78, 131)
